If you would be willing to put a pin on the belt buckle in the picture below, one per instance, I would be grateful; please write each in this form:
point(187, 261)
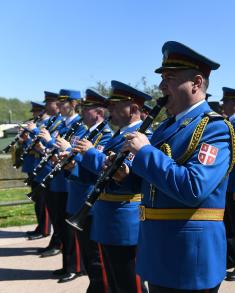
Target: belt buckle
point(142, 213)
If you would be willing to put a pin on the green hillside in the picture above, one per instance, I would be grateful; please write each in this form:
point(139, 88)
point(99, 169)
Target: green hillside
point(19, 110)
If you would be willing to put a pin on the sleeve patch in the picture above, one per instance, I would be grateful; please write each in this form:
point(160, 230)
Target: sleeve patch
point(207, 154)
point(130, 157)
point(100, 148)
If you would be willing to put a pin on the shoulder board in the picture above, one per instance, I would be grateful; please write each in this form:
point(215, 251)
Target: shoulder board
point(148, 131)
point(106, 130)
point(214, 115)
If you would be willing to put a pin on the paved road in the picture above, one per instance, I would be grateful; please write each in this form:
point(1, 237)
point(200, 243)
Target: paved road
point(22, 271)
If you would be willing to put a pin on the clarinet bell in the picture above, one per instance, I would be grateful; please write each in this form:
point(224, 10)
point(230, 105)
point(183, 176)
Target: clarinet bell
point(71, 221)
point(78, 221)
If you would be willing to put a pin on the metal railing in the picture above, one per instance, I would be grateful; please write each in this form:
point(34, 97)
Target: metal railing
point(14, 203)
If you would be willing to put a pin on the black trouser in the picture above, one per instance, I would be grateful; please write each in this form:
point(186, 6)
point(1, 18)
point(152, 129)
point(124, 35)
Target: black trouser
point(120, 267)
point(56, 203)
point(229, 221)
point(93, 261)
point(72, 258)
point(63, 232)
point(158, 289)
point(41, 211)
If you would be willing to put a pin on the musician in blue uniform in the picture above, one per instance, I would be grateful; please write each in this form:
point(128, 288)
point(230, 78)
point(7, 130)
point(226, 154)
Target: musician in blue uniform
point(182, 243)
point(229, 215)
point(115, 222)
point(51, 100)
point(51, 108)
point(30, 161)
point(81, 182)
point(72, 266)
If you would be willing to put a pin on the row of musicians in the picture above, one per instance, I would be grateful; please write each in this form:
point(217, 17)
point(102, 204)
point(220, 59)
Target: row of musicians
point(106, 249)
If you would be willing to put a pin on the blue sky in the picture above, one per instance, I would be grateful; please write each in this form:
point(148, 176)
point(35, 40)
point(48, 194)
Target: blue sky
point(54, 44)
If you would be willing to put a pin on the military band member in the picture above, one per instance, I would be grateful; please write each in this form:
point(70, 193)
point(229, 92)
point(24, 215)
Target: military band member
point(72, 264)
point(182, 243)
point(115, 222)
point(80, 184)
point(47, 140)
point(30, 160)
point(229, 216)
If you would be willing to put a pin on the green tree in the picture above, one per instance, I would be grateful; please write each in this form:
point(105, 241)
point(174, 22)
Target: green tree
point(20, 110)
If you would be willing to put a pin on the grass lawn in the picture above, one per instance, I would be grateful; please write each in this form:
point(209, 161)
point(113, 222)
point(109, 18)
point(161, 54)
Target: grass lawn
point(16, 215)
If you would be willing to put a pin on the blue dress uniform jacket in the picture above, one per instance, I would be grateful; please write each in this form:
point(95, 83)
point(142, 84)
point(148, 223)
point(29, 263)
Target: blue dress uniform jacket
point(115, 223)
point(81, 181)
point(183, 254)
point(54, 130)
point(59, 182)
point(32, 159)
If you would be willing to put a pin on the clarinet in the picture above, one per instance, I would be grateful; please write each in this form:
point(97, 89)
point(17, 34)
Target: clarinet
point(37, 139)
point(32, 195)
point(53, 152)
point(79, 219)
point(21, 134)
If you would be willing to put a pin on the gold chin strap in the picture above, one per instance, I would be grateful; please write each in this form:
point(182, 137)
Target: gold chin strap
point(181, 62)
point(116, 98)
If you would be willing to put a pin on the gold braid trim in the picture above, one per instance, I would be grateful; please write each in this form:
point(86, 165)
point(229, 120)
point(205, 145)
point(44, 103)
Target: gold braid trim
point(232, 135)
point(166, 149)
point(180, 62)
point(55, 126)
point(98, 139)
point(195, 139)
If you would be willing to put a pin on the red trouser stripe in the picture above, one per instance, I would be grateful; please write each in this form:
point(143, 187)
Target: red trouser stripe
point(138, 284)
point(78, 256)
point(46, 230)
point(104, 275)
